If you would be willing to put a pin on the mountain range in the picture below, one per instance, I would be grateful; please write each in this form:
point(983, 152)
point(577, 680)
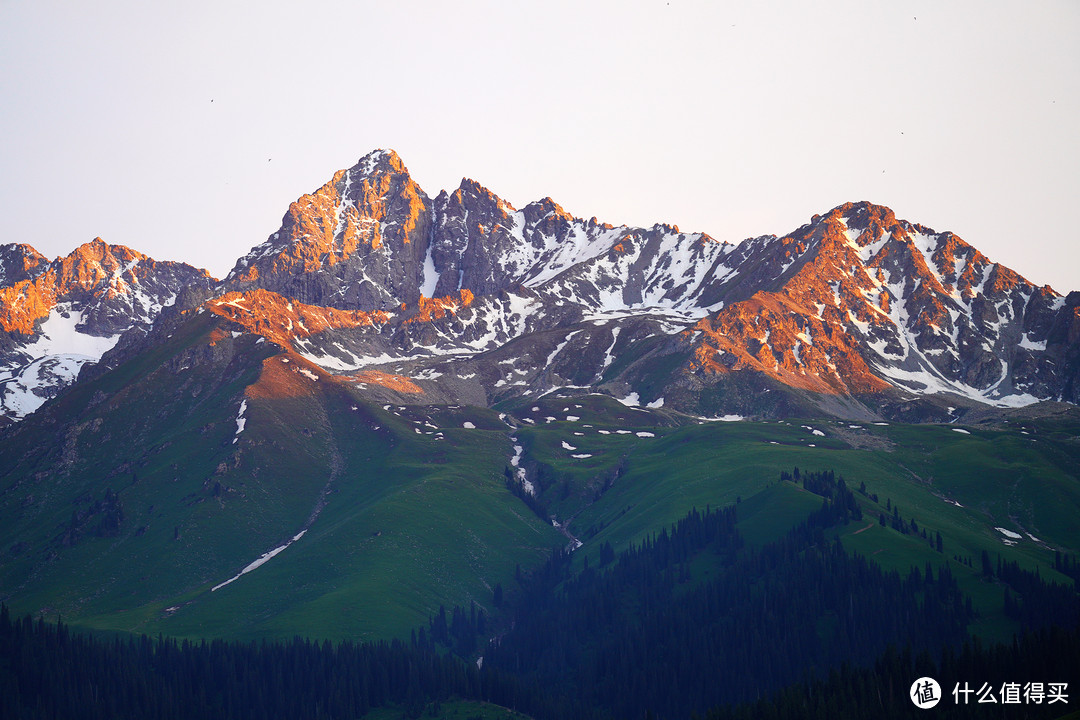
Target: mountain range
point(464, 298)
point(398, 403)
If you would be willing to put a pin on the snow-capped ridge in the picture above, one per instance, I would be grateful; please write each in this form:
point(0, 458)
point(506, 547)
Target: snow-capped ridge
point(465, 295)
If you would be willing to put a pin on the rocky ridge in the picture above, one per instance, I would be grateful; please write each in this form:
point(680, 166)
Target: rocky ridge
point(58, 316)
point(465, 298)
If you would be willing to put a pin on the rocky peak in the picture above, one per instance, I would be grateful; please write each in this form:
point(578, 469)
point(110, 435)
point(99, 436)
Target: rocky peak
point(471, 188)
point(856, 305)
point(482, 205)
point(869, 298)
point(93, 263)
point(380, 162)
point(356, 243)
point(473, 227)
point(18, 262)
point(547, 215)
point(863, 216)
point(380, 188)
point(63, 314)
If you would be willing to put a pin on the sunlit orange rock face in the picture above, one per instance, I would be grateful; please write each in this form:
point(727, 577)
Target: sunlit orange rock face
point(282, 377)
point(772, 335)
point(796, 335)
point(87, 267)
point(857, 277)
point(397, 383)
point(328, 226)
point(92, 272)
point(217, 335)
point(281, 320)
point(368, 223)
point(437, 308)
point(21, 305)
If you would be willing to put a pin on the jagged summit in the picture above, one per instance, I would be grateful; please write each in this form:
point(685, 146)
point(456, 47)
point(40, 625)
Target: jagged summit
point(371, 239)
point(17, 262)
point(868, 301)
point(347, 244)
point(828, 309)
point(380, 161)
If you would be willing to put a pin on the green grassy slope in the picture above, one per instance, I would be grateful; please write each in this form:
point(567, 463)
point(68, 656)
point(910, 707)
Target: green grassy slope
point(124, 503)
point(963, 485)
point(145, 503)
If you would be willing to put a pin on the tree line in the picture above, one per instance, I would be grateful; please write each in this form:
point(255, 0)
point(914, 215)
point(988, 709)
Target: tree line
point(693, 618)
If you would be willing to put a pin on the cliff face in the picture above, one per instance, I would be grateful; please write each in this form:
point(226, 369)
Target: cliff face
point(356, 243)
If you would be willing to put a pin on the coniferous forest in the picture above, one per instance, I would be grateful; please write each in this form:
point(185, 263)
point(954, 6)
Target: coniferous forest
point(691, 622)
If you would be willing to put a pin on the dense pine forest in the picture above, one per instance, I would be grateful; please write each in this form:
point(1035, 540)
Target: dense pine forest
point(647, 633)
point(693, 621)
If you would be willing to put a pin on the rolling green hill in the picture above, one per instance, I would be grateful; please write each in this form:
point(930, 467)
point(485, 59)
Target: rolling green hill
point(129, 525)
point(968, 484)
point(379, 514)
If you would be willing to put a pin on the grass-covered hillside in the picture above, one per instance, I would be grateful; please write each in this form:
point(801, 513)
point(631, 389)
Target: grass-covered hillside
point(215, 487)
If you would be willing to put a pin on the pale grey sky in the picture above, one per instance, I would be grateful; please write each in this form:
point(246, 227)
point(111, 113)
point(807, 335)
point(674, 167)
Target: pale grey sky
point(184, 130)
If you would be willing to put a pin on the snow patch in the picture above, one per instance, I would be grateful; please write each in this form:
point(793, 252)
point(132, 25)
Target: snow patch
point(468, 425)
point(431, 278)
point(263, 559)
point(241, 421)
point(960, 430)
point(20, 387)
point(1032, 345)
point(1009, 533)
point(59, 335)
point(559, 347)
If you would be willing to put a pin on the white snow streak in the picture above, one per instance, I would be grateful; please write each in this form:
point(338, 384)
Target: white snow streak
point(263, 559)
